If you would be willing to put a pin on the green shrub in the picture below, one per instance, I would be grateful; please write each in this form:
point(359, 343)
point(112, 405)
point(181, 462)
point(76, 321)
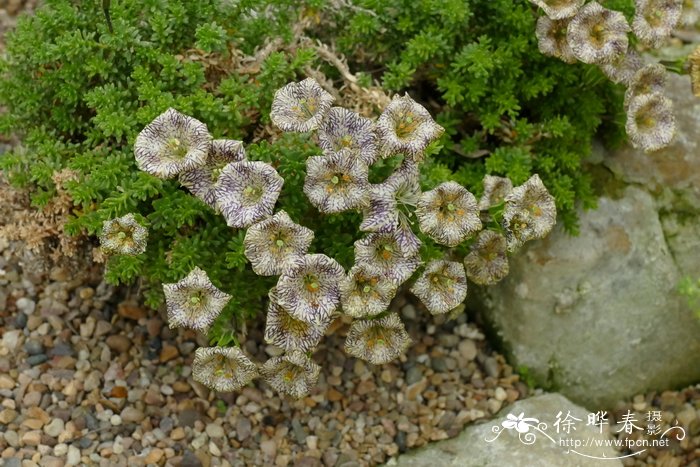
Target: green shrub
point(78, 95)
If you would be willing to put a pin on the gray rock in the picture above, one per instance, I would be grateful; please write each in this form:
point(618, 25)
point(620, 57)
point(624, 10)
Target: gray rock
point(33, 347)
point(37, 359)
point(598, 316)
point(471, 448)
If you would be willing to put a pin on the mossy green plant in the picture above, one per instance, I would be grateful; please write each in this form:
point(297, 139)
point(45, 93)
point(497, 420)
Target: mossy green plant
point(77, 93)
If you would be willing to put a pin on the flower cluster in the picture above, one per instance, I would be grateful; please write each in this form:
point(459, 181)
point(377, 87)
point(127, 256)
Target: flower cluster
point(313, 289)
point(590, 33)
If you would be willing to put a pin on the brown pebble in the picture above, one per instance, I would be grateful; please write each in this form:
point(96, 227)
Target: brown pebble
point(168, 353)
point(181, 386)
point(118, 392)
point(334, 395)
point(177, 434)
point(130, 311)
point(154, 456)
point(153, 326)
point(119, 343)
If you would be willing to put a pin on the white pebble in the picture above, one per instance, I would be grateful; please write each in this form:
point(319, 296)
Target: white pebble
point(60, 450)
point(26, 305)
point(214, 449)
point(115, 420)
point(73, 455)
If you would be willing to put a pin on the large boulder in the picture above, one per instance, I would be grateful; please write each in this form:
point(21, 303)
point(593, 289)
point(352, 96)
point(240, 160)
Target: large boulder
point(598, 316)
point(472, 447)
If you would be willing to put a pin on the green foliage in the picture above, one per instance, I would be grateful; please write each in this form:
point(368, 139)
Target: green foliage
point(477, 63)
point(78, 94)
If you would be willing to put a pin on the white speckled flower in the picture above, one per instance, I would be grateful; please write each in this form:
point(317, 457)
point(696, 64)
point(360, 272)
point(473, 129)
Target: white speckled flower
point(651, 124)
point(495, 191)
point(247, 192)
point(530, 213)
point(202, 180)
point(123, 236)
point(655, 19)
point(194, 302)
point(386, 252)
point(273, 242)
point(448, 214)
point(650, 79)
point(337, 182)
point(559, 9)
point(551, 38)
point(345, 130)
point(365, 292)
point(171, 144)
point(289, 333)
point(386, 200)
point(487, 262)
point(293, 374)
point(300, 106)
point(223, 369)
point(377, 341)
point(623, 68)
point(442, 286)
point(406, 127)
point(597, 34)
point(690, 14)
point(308, 288)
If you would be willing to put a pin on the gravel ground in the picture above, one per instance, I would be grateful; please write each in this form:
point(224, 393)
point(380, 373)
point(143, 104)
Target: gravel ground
point(676, 408)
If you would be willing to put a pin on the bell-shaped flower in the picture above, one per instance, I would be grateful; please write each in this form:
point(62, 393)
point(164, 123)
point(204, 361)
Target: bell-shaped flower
point(448, 214)
point(530, 213)
point(387, 200)
point(223, 369)
point(406, 127)
point(651, 124)
point(171, 144)
point(337, 182)
point(194, 302)
point(690, 15)
point(623, 68)
point(300, 106)
point(559, 9)
point(551, 38)
point(377, 341)
point(650, 79)
point(655, 19)
point(345, 130)
point(365, 292)
point(442, 286)
point(273, 242)
point(386, 252)
point(247, 192)
point(495, 191)
point(290, 333)
point(293, 373)
point(123, 236)
point(202, 180)
point(597, 34)
point(308, 288)
point(487, 261)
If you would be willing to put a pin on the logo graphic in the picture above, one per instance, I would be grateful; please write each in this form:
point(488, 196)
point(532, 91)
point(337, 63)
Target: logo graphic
point(528, 429)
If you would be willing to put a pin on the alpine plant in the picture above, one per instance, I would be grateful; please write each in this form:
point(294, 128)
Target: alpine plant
point(398, 220)
point(574, 30)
